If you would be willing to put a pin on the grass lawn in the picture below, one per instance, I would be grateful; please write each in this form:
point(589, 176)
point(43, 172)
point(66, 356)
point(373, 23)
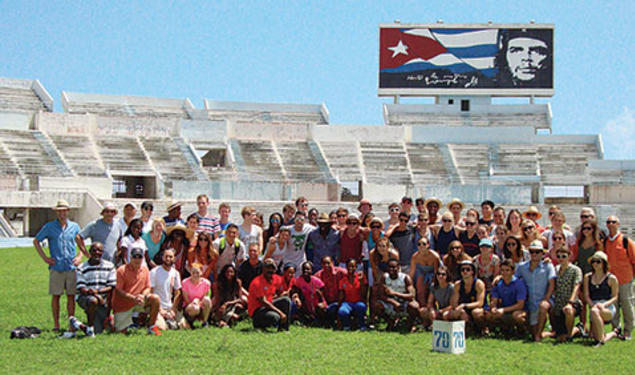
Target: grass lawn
point(24, 301)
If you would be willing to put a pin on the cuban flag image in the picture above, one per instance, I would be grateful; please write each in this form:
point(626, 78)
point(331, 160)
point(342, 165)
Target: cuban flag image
point(461, 51)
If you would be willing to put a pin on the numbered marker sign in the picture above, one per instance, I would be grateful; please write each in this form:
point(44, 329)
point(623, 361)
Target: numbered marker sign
point(448, 337)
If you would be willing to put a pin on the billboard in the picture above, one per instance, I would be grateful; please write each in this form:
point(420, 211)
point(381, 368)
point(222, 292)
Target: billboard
point(476, 59)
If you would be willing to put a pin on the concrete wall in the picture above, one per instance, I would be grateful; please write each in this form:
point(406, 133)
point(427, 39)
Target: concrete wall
point(15, 121)
point(201, 129)
point(350, 133)
point(277, 132)
point(64, 123)
point(383, 193)
point(44, 199)
point(132, 126)
point(253, 190)
point(612, 194)
point(465, 134)
point(9, 182)
point(101, 187)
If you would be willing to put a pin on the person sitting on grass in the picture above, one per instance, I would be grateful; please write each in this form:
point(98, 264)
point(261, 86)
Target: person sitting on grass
point(468, 298)
point(396, 297)
point(566, 304)
point(507, 301)
point(229, 297)
point(96, 279)
point(196, 302)
point(353, 289)
point(166, 283)
point(266, 304)
point(132, 296)
point(310, 289)
point(438, 305)
point(600, 292)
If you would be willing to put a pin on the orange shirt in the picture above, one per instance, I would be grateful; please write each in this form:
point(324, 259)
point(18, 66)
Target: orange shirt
point(621, 260)
point(260, 287)
point(130, 281)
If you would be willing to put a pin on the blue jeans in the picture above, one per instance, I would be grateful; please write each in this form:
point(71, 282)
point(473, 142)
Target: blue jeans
point(347, 308)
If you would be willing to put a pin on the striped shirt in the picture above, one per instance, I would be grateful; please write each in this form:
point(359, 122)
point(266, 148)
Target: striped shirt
point(97, 276)
point(209, 224)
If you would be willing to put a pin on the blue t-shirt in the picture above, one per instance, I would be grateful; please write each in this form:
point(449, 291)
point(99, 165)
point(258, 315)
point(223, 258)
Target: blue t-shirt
point(509, 294)
point(537, 282)
point(61, 243)
point(153, 248)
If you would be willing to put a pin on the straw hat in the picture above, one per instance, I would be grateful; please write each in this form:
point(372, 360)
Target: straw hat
point(456, 201)
point(363, 202)
point(188, 232)
point(62, 204)
point(532, 210)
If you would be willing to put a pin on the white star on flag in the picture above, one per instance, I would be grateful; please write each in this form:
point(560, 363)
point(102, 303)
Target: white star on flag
point(399, 48)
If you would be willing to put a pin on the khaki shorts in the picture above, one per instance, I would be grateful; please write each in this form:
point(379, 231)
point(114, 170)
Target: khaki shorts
point(62, 281)
point(124, 319)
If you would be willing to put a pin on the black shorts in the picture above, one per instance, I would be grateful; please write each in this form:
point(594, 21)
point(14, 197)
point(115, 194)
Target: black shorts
point(558, 319)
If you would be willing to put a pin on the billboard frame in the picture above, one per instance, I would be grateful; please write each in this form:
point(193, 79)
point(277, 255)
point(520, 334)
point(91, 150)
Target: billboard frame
point(497, 92)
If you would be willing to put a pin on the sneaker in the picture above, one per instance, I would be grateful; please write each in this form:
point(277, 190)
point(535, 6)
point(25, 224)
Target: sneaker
point(154, 330)
point(90, 332)
point(627, 337)
point(67, 335)
point(583, 333)
point(74, 322)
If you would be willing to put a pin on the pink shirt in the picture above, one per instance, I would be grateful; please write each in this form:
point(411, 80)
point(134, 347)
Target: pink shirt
point(195, 291)
point(308, 290)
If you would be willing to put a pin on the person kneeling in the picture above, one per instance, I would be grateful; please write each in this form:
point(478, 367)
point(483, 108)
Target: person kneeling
point(266, 304)
point(507, 302)
point(196, 302)
point(468, 297)
point(396, 297)
point(352, 292)
point(132, 296)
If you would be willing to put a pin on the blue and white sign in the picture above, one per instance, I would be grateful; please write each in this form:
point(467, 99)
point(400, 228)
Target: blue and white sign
point(448, 337)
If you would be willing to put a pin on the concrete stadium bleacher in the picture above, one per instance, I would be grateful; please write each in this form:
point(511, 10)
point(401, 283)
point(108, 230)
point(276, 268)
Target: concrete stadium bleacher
point(219, 172)
point(168, 158)
point(244, 112)
point(515, 160)
point(299, 163)
point(28, 153)
point(472, 161)
point(80, 152)
point(385, 161)
point(261, 160)
point(125, 106)
point(123, 155)
point(21, 95)
point(565, 162)
point(344, 160)
point(426, 163)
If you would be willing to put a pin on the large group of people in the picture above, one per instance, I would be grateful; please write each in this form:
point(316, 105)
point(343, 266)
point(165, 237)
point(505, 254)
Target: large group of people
point(500, 272)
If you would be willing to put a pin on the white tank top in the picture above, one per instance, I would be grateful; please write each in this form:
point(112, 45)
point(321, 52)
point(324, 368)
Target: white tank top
point(398, 285)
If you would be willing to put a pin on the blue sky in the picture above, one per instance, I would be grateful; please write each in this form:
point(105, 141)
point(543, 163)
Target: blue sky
point(306, 52)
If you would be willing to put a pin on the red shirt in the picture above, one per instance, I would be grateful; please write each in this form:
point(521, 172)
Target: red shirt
point(260, 287)
point(130, 281)
point(331, 282)
point(352, 291)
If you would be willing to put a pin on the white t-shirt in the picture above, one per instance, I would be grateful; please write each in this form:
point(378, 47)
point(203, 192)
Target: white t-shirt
point(164, 283)
point(251, 236)
point(147, 226)
point(129, 243)
point(298, 239)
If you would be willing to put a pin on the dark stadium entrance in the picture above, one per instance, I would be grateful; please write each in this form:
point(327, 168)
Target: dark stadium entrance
point(134, 187)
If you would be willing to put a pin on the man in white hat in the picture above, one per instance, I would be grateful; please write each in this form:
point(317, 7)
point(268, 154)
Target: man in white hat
point(60, 234)
point(540, 279)
point(102, 230)
point(174, 214)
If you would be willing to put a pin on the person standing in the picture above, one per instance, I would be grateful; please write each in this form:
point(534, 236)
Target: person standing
point(60, 234)
point(103, 230)
point(207, 223)
point(621, 254)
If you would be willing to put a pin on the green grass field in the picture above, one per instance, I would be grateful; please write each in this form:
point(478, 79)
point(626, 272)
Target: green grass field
point(24, 301)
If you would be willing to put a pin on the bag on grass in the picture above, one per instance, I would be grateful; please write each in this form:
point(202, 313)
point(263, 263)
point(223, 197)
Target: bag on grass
point(23, 332)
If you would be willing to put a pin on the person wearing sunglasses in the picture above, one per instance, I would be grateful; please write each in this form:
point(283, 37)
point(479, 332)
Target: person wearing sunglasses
point(507, 301)
point(438, 304)
point(620, 251)
point(558, 224)
point(540, 279)
point(393, 215)
point(452, 259)
point(530, 234)
point(587, 243)
point(423, 267)
point(133, 295)
point(340, 219)
point(402, 237)
point(275, 223)
point(351, 241)
point(446, 233)
point(566, 305)
point(558, 240)
point(468, 298)
point(600, 293)
point(469, 238)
